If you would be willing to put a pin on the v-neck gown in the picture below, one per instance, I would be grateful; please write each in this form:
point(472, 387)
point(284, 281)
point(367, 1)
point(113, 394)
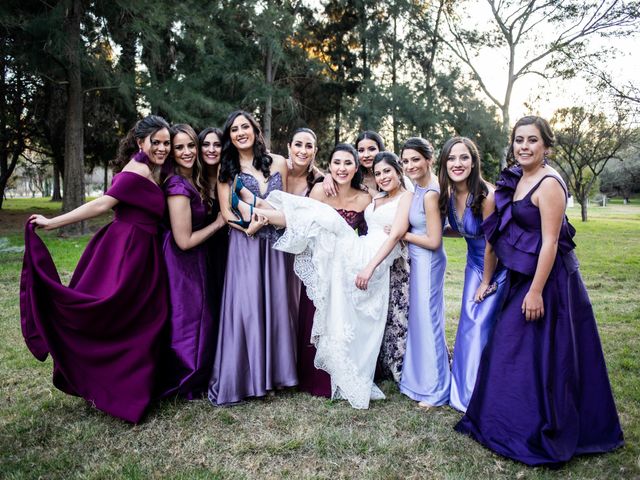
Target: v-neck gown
point(256, 346)
point(349, 323)
point(476, 319)
point(103, 331)
point(542, 394)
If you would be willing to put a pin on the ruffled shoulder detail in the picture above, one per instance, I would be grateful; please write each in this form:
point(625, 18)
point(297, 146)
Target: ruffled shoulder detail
point(178, 185)
point(501, 217)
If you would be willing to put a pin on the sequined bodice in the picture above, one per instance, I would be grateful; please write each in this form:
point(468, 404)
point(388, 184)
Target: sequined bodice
point(274, 182)
point(355, 220)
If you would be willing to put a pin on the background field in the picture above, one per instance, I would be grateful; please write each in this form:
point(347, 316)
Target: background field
point(47, 434)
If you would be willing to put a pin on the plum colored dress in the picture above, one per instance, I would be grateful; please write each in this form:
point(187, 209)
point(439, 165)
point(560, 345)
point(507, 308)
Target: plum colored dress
point(542, 393)
point(256, 347)
point(425, 370)
point(476, 319)
point(103, 330)
point(191, 343)
point(312, 380)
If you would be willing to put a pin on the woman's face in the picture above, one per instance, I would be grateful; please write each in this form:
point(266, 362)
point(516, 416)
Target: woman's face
point(459, 163)
point(157, 146)
point(302, 150)
point(415, 165)
point(342, 167)
point(185, 151)
point(367, 150)
point(242, 134)
point(211, 148)
point(528, 146)
point(386, 177)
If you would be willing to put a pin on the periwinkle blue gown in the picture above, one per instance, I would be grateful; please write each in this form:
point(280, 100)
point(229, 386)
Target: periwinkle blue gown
point(425, 370)
point(476, 319)
point(256, 346)
point(542, 393)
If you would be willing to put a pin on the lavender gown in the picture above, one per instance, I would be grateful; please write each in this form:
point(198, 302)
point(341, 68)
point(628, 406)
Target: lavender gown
point(476, 319)
point(425, 371)
point(313, 380)
point(256, 347)
point(103, 330)
point(190, 354)
point(542, 393)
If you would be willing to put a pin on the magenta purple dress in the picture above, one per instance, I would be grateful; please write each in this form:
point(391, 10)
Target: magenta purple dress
point(311, 379)
point(103, 330)
point(256, 347)
point(542, 394)
point(189, 356)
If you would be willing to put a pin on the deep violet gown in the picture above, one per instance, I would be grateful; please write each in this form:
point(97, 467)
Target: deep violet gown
point(313, 380)
point(542, 393)
point(189, 357)
point(425, 370)
point(256, 347)
point(476, 319)
point(103, 330)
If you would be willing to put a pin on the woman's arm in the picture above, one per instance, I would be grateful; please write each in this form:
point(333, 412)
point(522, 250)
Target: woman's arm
point(433, 238)
point(490, 259)
point(551, 202)
point(181, 227)
point(329, 186)
point(225, 209)
point(89, 210)
point(398, 229)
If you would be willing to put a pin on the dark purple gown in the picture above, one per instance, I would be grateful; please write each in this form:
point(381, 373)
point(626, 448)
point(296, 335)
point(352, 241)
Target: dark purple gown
point(217, 252)
point(103, 330)
point(542, 393)
point(191, 343)
point(312, 380)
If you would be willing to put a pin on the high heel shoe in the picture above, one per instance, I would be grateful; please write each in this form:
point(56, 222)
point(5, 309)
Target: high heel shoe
point(238, 185)
point(234, 204)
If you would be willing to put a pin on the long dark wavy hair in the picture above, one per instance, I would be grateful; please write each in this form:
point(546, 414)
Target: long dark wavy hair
point(143, 128)
point(548, 138)
point(356, 181)
point(478, 186)
point(198, 177)
point(392, 160)
point(230, 158)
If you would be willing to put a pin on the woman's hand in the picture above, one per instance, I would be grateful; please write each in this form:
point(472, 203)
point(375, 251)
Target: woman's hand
point(257, 222)
point(41, 221)
point(479, 295)
point(219, 222)
point(329, 186)
point(362, 279)
point(532, 306)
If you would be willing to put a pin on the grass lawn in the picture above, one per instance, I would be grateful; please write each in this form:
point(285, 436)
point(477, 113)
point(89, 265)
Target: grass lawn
point(47, 434)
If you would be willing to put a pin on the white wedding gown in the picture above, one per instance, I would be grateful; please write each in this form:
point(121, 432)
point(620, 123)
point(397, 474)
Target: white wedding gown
point(349, 323)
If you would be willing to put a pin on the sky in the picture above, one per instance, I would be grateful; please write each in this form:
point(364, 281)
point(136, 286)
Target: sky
point(534, 95)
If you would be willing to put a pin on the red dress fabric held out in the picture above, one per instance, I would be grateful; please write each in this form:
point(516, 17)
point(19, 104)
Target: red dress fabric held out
point(103, 330)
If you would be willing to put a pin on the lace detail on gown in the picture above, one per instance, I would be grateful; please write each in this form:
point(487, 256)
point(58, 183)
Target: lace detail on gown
point(349, 323)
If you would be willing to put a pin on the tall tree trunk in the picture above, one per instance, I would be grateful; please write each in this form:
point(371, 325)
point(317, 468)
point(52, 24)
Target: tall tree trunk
point(394, 82)
point(583, 209)
point(56, 195)
point(74, 128)
point(269, 100)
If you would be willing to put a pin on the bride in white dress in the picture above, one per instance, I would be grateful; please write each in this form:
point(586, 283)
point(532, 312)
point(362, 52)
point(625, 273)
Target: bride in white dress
point(347, 276)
